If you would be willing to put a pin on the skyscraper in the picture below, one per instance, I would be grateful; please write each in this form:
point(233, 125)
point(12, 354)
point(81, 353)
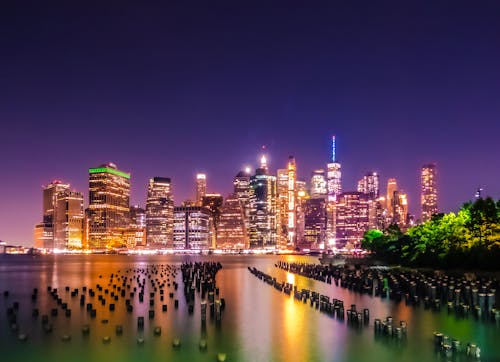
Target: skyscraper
point(62, 225)
point(213, 202)
point(334, 188)
point(201, 187)
point(109, 208)
point(392, 187)
point(191, 228)
point(242, 192)
point(352, 218)
point(314, 223)
point(262, 230)
point(44, 231)
point(318, 184)
point(282, 207)
point(68, 220)
point(231, 232)
point(334, 175)
point(292, 193)
point(369, 185)
point(428, 197)
point(138, 225)
point(400, 209)
point(159, 212)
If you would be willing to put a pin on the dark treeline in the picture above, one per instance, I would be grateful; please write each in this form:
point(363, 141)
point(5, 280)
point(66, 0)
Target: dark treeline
point(467, 239)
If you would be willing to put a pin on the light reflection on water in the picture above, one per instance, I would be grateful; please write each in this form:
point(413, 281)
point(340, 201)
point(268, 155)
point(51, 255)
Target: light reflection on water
point(259, 323)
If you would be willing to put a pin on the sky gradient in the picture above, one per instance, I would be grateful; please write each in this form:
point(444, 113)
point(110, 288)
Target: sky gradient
point(175, 88)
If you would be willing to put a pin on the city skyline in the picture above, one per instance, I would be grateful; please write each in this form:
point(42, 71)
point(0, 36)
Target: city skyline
point(275, 211)
point(176, 90)
point(414, 209)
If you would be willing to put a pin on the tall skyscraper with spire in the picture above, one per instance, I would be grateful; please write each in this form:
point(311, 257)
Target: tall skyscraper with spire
point(292, 203)
point(428, 196)
point(334, 188)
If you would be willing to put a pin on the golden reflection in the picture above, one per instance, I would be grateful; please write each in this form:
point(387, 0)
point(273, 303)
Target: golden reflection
point(290, 278)
point(295, 342)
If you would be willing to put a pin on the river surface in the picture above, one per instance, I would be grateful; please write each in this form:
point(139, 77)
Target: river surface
point(259, 323)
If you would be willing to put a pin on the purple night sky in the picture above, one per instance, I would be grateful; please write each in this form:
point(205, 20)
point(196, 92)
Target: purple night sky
point(180, 87)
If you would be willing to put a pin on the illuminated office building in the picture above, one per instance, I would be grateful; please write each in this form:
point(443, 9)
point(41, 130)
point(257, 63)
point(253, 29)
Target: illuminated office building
point(392, 186)
point(334, 188)
point(191, 228)
point(44, 231)
point(62, 225)
point(241, 185)
point(201, 187)
point(428, 196)
point(159, 212)
point(400, 210)
point(213, 202)
point(263, 228)
point(302, 195)
point(378, 215)
point(138, 225)
point(137, 216)
point(334, 175)
point(68, 220)
point(397, 205)
point(292, 202)
point(352, 210)
point(369, 185)
point(232, 232)
point(44, 236)
point(109, 208)
point(318, 184)
point(282, 207)
point(314, 223)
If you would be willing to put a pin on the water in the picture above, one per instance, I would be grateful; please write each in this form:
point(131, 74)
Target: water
point(259, 323)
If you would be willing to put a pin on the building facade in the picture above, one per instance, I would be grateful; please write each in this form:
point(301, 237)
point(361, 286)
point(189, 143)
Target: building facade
point(370, 185)
point(232, 232)
point(191, 228)
point(314, 223)
point(109, 207)
point(62, 220)
point(159, 212)
point(201, 187)
point(318, 184)
point(263, 228)
point(68, 220)
point(213, 202)
point(429, 192)
point(334, 188)
point(392, 187)
point(138, 225)
point(282, 207)
point(241, 190)
point(352, 218)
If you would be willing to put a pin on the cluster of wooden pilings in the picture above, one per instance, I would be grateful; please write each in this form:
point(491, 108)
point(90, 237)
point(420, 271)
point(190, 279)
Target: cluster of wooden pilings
point(200, 277)
point(154, 285)
point(450, 347)
point(334, 307)
point(458, 294)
